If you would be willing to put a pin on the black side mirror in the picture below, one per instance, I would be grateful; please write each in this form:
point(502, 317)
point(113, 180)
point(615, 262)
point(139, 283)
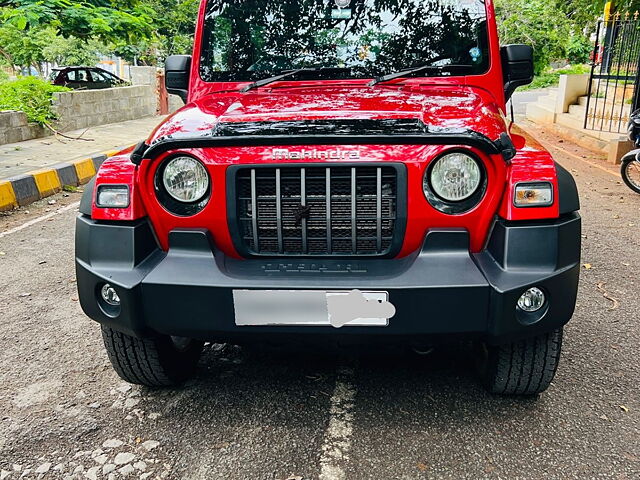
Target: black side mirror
point(176, 75)
point(517, 67)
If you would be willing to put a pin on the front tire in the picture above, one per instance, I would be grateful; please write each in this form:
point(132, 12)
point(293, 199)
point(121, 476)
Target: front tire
point(630, 171)
point(160, 361)
point(525, 367)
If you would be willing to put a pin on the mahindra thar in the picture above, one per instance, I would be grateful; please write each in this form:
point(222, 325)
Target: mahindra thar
point(343, 172)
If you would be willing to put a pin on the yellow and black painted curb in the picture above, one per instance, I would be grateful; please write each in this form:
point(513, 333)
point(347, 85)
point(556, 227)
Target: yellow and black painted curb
point(24, 189)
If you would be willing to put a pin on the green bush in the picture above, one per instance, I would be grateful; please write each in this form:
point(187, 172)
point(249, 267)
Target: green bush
point(551, 78)
point(30, 95)
point(579, 49)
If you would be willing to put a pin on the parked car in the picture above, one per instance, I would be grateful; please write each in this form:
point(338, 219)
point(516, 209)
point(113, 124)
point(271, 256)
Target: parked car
point(85, 78)
point(373, 193)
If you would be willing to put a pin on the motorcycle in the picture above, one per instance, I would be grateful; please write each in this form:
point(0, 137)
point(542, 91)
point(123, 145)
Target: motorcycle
point(630, 167)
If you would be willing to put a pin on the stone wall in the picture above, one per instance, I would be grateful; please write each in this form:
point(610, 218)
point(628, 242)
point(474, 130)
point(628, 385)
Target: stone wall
point(88, 108)
point(80, 109)
point(15, 128)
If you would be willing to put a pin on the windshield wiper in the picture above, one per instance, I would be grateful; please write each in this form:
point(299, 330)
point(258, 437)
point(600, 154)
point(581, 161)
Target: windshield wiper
point(275, 78)
point(421, 68)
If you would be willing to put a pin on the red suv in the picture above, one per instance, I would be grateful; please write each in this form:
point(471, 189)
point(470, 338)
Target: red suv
point(342, 172)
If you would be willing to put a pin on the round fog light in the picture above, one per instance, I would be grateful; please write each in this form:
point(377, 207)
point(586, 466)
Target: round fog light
point(532, 300)
point(109, 295)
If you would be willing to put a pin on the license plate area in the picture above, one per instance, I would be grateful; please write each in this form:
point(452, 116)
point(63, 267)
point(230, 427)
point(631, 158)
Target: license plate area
point(335, 308)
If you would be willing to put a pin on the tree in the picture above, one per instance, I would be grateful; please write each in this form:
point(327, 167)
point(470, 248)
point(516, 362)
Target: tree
point(536, 23)
point(106, 20)
point(32, 47)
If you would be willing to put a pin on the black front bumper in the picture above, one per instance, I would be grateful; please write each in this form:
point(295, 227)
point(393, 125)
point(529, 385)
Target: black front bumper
point(440, 291)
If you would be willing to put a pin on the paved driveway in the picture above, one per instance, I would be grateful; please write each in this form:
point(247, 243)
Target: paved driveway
point(291, 415)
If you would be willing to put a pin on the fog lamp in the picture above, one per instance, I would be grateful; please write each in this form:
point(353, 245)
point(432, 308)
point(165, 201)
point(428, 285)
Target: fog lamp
point(113, 196)
point(109, 295)
point(533, 195)
point(532, 300)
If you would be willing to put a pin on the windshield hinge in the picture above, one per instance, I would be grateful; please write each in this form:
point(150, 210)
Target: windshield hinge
point(506, 147)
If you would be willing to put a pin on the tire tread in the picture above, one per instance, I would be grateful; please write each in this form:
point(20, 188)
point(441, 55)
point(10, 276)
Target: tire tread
point(524, 367)
point(137, 360)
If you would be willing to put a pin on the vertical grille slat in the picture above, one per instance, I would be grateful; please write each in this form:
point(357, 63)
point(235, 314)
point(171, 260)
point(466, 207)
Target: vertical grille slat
point(379, 209)
point(328, 207)
point(303, 202)
point(354, 228)
point(254, 210)
point(279, 212)
point(290, 210)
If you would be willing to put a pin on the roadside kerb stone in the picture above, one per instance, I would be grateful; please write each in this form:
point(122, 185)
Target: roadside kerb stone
point(24, 189)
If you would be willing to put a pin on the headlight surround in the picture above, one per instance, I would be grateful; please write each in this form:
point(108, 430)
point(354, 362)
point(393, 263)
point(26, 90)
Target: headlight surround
point(455, 176)
point(185, 179)
point(183, 185)
point(455, 182)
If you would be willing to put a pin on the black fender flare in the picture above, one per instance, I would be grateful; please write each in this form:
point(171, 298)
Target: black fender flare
point(567, 191)
point(86, 202)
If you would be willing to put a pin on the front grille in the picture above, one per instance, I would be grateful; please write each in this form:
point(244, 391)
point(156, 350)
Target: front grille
point(317, 210)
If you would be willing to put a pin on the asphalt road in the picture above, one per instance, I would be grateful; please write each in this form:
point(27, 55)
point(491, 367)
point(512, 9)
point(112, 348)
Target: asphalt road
point(291, 415)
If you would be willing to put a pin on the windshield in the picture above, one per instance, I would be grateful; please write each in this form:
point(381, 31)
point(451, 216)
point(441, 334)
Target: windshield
point(249, 40)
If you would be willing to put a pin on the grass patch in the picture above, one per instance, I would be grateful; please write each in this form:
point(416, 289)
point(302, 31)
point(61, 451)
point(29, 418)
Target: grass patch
point(551, 78)
point(30, 95)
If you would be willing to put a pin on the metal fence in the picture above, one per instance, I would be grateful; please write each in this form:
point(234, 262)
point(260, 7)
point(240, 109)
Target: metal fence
point(614, 86)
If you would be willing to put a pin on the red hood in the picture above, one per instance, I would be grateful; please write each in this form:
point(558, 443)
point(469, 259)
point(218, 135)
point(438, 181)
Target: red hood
point(438, 106)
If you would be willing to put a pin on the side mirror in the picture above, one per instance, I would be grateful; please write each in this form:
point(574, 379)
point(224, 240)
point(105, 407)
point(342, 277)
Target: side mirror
point(517, 67)
point(176, 75)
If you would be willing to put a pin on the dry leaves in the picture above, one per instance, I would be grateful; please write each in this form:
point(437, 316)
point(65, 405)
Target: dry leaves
point(614, 301)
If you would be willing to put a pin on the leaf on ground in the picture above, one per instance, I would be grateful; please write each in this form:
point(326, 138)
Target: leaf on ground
point(624, 408)
point(614, 301)
point(422, 467)
point(587, 266)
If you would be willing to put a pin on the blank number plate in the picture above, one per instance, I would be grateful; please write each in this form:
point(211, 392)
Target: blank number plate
point(312, 307)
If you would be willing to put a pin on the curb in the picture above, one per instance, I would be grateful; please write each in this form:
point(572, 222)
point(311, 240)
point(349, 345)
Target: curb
point(27, 188)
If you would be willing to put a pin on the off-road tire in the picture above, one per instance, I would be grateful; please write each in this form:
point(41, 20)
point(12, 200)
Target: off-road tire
point(525, 367)
point(154, 362)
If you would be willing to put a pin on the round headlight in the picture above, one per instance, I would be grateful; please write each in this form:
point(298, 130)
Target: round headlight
point(454, 177)
point(185, 179)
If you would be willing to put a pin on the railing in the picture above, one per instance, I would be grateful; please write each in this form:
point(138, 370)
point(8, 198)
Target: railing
point(613, 85)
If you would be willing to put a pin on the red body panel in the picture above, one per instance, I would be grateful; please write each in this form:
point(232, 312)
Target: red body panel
point(470, 103)
point(118, 170)
point(491, 81)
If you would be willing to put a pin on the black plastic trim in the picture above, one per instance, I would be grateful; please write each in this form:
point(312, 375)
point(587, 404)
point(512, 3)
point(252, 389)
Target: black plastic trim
point(567, 191)
point(440, 290)
point(401, 208)
point(440, 137)
point(86, 201)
